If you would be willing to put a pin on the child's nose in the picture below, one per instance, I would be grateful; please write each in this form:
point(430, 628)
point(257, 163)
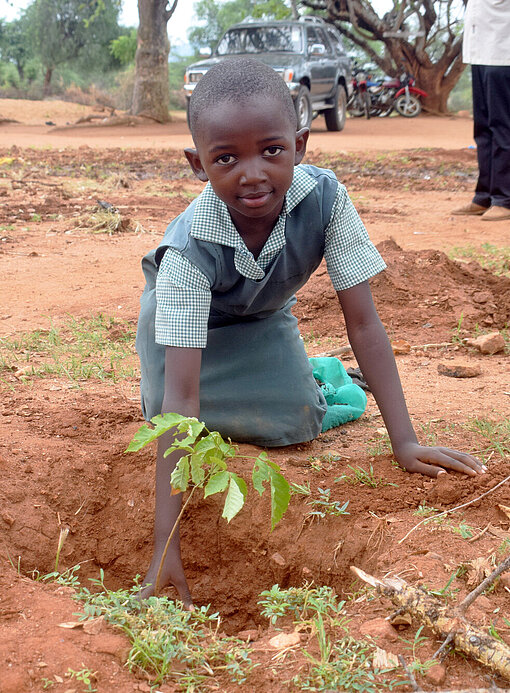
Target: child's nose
point(252, 172)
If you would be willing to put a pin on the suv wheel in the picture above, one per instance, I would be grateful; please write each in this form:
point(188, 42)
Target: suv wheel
point(303, 106)
point(335, 117)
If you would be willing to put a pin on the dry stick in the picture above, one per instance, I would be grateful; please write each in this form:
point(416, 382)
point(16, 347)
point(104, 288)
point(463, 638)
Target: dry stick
point(410, 675)
point(467, 601)
point(457, 507)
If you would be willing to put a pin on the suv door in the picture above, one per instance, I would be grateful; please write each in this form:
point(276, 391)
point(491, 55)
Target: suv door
point(323, 65)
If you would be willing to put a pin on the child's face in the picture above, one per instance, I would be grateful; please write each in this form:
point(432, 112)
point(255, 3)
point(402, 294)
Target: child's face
point(248, 151)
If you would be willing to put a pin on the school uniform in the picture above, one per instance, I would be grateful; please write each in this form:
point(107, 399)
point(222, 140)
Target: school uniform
point(206, 290)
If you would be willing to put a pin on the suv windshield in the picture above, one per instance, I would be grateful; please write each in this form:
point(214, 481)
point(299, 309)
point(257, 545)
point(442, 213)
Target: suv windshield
point(261, 39)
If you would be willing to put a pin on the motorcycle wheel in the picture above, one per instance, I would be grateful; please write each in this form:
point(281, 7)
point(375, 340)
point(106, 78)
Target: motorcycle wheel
point(303, 106)
point(385, 112)
point(408, 107)
point(335, 117)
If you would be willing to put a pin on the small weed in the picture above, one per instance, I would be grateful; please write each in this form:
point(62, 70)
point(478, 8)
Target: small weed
point(85, 676)
point(301, 603)
point(300, 489)
point(425, 510)
point(323, 506)
point(447, 592)
point(364, 477)
point(497, 435)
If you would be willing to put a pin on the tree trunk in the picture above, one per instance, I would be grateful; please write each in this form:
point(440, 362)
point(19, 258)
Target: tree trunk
point(47, 80)
point(437, 85)
point(151, 91)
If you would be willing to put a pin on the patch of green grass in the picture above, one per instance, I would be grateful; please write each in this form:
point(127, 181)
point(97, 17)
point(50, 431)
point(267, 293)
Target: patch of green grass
point(168, 643)
point(364, 477)
point(339, 662)
point(495, 259)
point(82, 348)
point(379, 446)
point(495, 434)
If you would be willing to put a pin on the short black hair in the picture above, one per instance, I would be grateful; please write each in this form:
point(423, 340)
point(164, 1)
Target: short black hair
point(237, 80)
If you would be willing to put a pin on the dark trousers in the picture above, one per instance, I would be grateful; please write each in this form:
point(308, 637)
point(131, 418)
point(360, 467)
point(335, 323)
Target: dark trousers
point(491, 114)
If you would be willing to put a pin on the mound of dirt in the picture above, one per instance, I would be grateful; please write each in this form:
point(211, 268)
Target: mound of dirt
point(421, 297)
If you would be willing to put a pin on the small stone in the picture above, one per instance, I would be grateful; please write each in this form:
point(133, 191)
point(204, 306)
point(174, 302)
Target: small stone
point(400, 346)
point(491, 343)
point(278, 559)
point(307, 573)
point(436, 674)
point(249, 635)
point(481, 296)
point(379, 628)
point(458, 370)
point(284, 640)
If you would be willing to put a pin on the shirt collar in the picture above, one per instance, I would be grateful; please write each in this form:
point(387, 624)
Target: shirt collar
point(212, 221)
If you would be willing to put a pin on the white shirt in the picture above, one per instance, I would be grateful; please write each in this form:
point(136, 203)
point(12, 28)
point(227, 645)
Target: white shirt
point(486, 38)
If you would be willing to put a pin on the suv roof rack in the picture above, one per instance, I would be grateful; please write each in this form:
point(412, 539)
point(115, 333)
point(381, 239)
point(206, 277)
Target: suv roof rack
point(312, 19)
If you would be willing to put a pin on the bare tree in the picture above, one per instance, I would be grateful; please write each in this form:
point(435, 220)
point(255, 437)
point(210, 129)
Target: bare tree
point(151, 91)
point(424, 36)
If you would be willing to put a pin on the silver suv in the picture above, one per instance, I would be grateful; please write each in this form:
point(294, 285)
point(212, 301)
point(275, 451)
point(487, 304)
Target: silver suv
point(307, 52)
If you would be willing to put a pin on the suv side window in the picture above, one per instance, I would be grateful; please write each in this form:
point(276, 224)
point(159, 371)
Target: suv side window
point(312, 36)
point(336, 41)
point(324, 39)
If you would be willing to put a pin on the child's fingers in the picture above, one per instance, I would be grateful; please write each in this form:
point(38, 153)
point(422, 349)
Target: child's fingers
point(452, 459)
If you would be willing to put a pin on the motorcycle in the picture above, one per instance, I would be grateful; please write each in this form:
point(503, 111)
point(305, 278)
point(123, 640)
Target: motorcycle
point(392, 94)
point(359, 103)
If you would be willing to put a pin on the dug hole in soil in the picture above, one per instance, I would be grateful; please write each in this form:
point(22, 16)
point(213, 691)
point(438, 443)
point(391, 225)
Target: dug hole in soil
point(62, 452)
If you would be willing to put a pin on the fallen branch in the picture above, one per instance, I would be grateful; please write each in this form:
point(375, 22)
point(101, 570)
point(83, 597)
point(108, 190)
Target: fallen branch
point(449, 624)
point(451, 510)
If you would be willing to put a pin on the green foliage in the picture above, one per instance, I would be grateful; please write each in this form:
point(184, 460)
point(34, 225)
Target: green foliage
point(204, 465)
point(339, 662)
point(124, 47)
point(217, 17)
point(302, 603)
point(364, 477)
point(167, 642)
point(67, 31)
point(79, 349)
point(323, 506)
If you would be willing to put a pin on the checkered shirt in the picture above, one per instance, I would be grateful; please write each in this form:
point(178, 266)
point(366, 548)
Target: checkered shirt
point(183, 293)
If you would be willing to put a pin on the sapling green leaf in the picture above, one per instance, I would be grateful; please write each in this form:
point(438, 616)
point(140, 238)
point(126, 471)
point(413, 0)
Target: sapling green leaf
point(236, 496)
point(203, 464)
point(217, 483)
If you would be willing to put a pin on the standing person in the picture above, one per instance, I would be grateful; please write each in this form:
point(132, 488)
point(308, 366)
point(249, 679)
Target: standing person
point(486, 46)
point(216, 336)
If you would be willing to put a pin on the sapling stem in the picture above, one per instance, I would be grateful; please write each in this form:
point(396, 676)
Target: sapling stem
point(167, 545)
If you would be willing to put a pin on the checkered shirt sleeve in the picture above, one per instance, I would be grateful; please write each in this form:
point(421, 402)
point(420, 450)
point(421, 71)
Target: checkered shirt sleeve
point(351, 257)
point(183, 299)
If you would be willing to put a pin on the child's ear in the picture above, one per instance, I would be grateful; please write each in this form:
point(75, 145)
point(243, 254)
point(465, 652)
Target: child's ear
point(196, 165)
point(301, 140)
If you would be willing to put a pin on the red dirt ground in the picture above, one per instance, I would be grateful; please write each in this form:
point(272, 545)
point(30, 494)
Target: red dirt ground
point(61, 452)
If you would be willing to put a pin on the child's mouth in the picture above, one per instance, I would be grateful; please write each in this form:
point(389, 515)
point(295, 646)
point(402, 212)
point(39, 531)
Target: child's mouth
point(254, 200)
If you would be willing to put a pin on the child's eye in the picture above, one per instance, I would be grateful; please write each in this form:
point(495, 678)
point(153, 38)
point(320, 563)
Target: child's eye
point(273, 150)
point(225, 159)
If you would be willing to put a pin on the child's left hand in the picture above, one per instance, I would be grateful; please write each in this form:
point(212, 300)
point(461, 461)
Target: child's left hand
point(434, 461)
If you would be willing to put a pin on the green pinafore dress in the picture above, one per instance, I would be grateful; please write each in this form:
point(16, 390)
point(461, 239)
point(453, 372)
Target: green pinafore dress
point(256, 382)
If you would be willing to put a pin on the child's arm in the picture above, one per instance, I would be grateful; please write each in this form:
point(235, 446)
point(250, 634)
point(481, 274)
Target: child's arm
point(182, 380)
point(373, 352)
